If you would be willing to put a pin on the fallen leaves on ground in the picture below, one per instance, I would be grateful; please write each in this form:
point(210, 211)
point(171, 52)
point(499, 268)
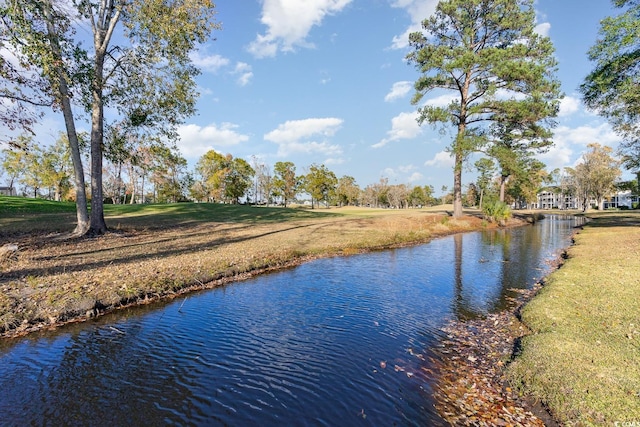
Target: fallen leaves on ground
point(471, 388)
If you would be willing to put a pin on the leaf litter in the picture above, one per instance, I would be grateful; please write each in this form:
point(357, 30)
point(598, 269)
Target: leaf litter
point(468, 370)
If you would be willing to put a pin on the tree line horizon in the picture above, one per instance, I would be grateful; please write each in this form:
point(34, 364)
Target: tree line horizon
point(219, 178)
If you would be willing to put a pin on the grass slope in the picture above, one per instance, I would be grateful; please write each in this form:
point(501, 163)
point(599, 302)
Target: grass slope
point(157, 251)
point(583, 358)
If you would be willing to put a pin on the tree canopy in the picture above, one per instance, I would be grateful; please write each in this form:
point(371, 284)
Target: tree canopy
point(148, 76)
point(285, 181)
point(500, 70)
point(321, 184)
point(613, 87)
point(596, 175)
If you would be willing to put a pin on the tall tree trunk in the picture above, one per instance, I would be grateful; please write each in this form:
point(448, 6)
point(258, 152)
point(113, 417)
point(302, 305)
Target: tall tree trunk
point(459, 149)
point(98, 225)
point(503, 184)
point(82, 213)
point(132, 175)
point(457, 186)
point(103, 27)
point(142, 188)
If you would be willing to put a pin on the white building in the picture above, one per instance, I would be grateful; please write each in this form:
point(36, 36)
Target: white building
point(552, 200)
point(622, 199)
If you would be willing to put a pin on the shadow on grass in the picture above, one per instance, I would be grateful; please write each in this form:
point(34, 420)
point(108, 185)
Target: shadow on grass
point(21, 216)
point(132, 258)
point(614, 219)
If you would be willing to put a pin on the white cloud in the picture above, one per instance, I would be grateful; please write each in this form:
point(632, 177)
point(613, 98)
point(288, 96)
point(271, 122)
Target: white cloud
point(406, 168)
point(586, 134)
point(442, 100)
point(558, 156)
point(389, 173)
point(299, 136)
point(294, 130)
point(309, 147)
point(211, 63)
point(334, 161)
point(205, 90)
point(440, 160)
point(503, 94)
point(415, 177)
point(569, 143)
point(418, 11)
point(569, 105)
point(402, 174)
point(289, 22)
point(543, 29)
point(245, 73)
point(403, 126)
point(196, 140)
point(398, 90)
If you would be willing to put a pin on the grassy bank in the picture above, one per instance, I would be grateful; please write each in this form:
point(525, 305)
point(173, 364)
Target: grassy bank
point(157, 251)
point(583, 357)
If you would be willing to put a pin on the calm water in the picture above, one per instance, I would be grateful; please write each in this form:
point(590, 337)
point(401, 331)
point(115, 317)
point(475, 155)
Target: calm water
point(338, 341)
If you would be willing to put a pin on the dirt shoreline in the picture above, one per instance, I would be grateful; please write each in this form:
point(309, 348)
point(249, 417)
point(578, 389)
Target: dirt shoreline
point(471, 384)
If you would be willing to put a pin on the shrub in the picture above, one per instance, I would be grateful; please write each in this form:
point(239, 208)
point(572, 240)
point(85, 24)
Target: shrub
point(496, 211)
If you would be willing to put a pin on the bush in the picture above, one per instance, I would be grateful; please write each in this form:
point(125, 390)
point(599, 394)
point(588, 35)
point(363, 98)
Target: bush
point(496, 211)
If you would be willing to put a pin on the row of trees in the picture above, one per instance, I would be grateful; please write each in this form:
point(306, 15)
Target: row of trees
point(227, 179)
point(154, 173)
point(157, 174)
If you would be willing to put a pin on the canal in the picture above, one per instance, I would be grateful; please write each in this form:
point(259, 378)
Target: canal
point(338, 341)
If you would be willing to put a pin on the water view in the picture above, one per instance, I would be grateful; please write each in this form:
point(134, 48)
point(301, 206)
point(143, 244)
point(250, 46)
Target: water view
point(339, 341)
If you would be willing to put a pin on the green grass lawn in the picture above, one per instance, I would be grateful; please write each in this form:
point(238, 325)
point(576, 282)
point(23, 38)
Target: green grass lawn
point(22, 215)
point(583, 357)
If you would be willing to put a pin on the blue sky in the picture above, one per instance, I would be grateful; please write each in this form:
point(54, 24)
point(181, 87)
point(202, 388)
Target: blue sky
point(326, 82)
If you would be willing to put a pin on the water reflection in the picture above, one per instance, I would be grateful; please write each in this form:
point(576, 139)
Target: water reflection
point(334, 342)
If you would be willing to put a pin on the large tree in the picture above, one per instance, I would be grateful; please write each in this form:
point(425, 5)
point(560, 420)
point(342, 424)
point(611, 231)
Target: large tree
point(321, 184)
point(41, 65)
point(613, 87)
point(224, 178)
point(596, 176)
point(285, 181)
point(149, 77)
point(238, 180)
point(348, 191)
point(488, 55)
